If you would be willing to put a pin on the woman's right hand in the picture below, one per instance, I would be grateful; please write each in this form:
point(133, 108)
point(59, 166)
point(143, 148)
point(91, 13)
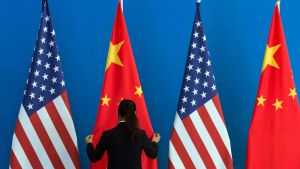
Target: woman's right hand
point(156, 138)
point(89, 139)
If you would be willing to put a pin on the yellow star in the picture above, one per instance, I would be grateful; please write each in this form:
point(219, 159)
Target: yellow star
point(293, 93)
point(278, 104)
point(138, 90)
point(113, 56)
point(261, 100)
point(105, 100)
point(269, 57)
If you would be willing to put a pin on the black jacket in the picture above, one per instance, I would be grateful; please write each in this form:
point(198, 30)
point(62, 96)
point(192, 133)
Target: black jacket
point(122, 151)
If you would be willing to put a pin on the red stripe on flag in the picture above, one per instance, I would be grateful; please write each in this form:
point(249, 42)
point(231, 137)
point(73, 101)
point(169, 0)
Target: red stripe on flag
point(14, 163)
point(63, 133)
point(214, 134)
point(197, 141)
point(217, 104)
point(46, 141)
point(170, 165)
point(64, 96)
point(27, 147)
point(181, 151)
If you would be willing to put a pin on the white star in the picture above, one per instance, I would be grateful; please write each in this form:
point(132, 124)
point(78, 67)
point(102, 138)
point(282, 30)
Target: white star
point(34, 84)
point(55, 68)
point(49, 54)
point(190, 67)
point(192, 56)
point(36, 73)
point(182, 110)
point(43, 40)
point(45, 76)
point(202, 48)
point(62, 83)
point(43, 87)
point(203, 95)
point(198, 23)
point(30, 106)
point(204, 38)
point(205, 84)
point(196, 81)
point(194, 45)
point(47, 18)
point(188, 78)
point(54, 80)
point(41, 51)
point(207, 73)
point(47, 65)
point(45, 29)
point(208, 63)
point(57, 58)
point(25, 92)
point(39, 62)
point(195, 91)
point(184, 99)
point(51, 43)
point(200, 59)
point(53, 32)
point(213, 87)
point(52, 91)
point(186, 88)
point(196, 34)
point(198, 70)
point(32, 95)
point(193, 102)
point(41, 98)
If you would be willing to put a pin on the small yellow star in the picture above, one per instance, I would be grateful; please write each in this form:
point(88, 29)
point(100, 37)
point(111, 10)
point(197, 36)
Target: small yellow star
point(261, 100)
point(293, 93)
point(269, 57)
point(105, 100)
point(278, 104)
point(138, 90)
point(113, 56)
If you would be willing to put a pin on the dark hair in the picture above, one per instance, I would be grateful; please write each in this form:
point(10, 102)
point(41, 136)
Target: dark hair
point(127, 110)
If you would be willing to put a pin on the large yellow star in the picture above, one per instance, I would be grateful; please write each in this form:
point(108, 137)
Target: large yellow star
point(105, 100)
point(269, 57)
point(278, 104)
point(113, 56)
point(293, 93)
point(138, 90)
point(261, 100)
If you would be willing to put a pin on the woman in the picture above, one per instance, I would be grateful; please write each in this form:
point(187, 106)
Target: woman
point(124, 143)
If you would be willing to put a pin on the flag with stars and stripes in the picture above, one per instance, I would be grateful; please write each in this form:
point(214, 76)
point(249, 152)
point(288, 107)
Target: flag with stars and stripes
point(199, 138)
point(45, 136)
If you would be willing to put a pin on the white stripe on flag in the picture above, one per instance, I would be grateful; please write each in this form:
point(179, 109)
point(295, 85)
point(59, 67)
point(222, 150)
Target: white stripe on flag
point(9, 167)
point(208, 142)
point(219, 123)
point(188, 143)
point(19, 153)
point(66, 117)
point(34, 139)
point(55, 138)
point(174, 158)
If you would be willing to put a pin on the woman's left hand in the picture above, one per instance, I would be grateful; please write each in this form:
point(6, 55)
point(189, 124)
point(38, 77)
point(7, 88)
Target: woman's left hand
point(89, 139)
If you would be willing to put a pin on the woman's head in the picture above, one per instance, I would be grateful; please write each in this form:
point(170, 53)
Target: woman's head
point(127, 112)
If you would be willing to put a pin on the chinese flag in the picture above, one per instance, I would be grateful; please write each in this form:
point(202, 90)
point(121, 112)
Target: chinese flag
point(274, 135)
point(121, 81)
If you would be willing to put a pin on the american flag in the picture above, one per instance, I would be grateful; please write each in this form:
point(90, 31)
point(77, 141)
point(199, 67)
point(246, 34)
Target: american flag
point(199, 138)
point(45, 136)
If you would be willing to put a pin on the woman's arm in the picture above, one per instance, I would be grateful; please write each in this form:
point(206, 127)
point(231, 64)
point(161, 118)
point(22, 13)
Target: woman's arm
point(151, 147)
point(96, 154)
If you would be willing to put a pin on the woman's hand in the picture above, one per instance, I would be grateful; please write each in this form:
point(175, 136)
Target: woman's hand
point(156, 138)
point(89, 139)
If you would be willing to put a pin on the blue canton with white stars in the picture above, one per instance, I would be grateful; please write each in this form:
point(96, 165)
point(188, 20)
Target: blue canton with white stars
point(45, 81)
point(198, 84)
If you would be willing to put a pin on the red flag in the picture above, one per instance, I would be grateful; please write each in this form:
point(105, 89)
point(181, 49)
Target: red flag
point(121, 80)
point(274, 135)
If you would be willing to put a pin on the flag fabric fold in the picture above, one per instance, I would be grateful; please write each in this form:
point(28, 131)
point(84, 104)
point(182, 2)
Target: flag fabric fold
point(274, 134)
point(121, 81)
point(199, 138)
point(45, 135)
